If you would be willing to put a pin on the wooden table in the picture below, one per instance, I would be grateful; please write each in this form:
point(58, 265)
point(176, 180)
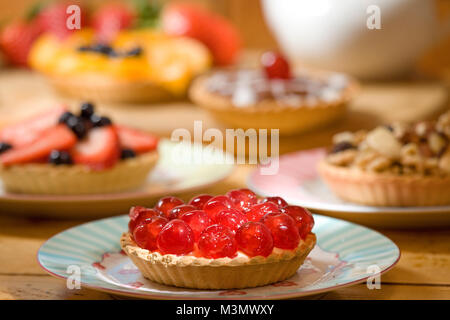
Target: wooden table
point(423, 271)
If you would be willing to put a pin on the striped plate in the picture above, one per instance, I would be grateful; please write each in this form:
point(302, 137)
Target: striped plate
point(345, 254)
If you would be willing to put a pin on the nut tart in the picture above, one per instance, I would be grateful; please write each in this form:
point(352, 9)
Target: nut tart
point(222, 242)
point(62, 153)
point(137, 66)
point(273, 98)
point(392, 165)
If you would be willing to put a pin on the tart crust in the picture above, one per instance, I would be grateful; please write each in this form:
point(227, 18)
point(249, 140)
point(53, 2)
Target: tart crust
point(268, 114)
point(223, 273)
point(99, 88)
point(385, 189)
point(48, 179)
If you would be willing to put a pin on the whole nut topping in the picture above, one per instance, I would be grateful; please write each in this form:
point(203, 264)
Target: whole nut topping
point(345, 136)
point(424, 128)
point(444, 162)
point(436, 142)
point(443, 124)
point(383, 141)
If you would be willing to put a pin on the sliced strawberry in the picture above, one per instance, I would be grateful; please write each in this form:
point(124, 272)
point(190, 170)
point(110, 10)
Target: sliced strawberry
point(27, 131)
point(16, 40)
point(56, 138)
point(136, 140)
point(53, 18)
point(110, 19)
point(99, 150)
point(213, 30)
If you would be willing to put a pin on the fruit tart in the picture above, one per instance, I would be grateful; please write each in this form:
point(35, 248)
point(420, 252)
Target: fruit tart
point(392, 165)
point(222, 242)
point(61, 153)
point(273, 97)
point(136, 66)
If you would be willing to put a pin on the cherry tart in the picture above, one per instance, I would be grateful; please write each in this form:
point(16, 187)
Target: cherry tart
point(222, 242)
point(60, 152)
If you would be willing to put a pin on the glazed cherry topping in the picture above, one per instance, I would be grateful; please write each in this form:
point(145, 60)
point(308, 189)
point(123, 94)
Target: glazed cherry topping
point(242, 199)
point(166, 204)
point(138, 214)
point(259, 210)
point(275, 66)
point(226, 223)
point(199, 201)
point(231, 218)
point(176, 237)
point(254, 239)
point(283, 229)
point(280, 202)
point(302, 217)
point(217, 241)
point(198, 220)
point(176, 212)
point(147, 231)
point(217, 204)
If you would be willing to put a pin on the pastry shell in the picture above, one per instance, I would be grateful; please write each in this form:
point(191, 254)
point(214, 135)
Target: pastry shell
point(36, 178)
point(222, 273)
point(385, 189)
point(99, 88)
point(268, 114)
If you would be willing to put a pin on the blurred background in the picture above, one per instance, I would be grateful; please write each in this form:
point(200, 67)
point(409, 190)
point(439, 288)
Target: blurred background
point(248, 17)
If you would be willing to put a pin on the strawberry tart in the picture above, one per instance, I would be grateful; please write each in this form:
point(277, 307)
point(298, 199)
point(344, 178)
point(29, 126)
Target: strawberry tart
point(59, 152)
point(223, 242)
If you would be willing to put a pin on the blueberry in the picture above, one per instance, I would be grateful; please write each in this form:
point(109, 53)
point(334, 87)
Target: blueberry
point(87, 110)
point(127, 153)
point(98, 121)
point(134, 52)
point(65, 117)
point(77, 125)
point(57, 157)
point(103, 48)
point(84, 48)
point(113, 54)
point(4, 147)
point(342, 146)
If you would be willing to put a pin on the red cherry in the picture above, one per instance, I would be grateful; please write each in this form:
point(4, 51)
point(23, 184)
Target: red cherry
point(199, 201)
point(275, 66)
point(231, 218)
point(302, 217)
point(176, 212)
point(198, 220)
point(242, 199)
point(166, 204)
point(217, 204)
point(138, 214)
point(175, 238)
point(146, 232)
point(284, 230)
point(280, 202)
point(259, 210)
point(217, 241)
point(254, 239)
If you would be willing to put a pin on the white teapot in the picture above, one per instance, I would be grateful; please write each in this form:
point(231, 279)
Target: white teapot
point(334, 34)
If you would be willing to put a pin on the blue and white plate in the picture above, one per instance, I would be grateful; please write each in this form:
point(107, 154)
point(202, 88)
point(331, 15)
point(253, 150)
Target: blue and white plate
point(345, 254)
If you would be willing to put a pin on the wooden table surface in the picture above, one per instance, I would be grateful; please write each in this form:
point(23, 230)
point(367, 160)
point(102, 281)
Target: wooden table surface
point(423, 271)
